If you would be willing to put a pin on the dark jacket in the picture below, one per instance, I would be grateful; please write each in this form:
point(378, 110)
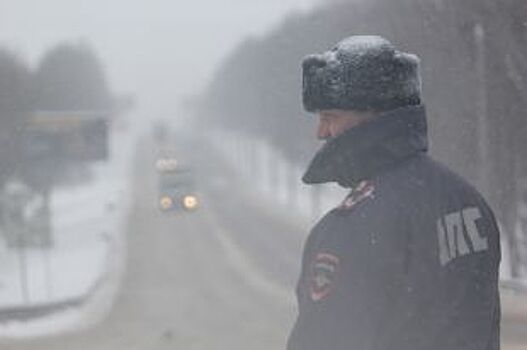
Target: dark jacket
point(409, 261)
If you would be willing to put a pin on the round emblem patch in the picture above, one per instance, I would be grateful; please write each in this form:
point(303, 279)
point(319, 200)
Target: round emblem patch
point(323, 275)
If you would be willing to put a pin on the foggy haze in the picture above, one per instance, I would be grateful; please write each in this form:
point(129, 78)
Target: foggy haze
point(162, 176)
point(159, 51)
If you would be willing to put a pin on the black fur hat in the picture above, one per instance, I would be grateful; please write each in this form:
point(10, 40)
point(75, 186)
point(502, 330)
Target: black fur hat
point(361, 73)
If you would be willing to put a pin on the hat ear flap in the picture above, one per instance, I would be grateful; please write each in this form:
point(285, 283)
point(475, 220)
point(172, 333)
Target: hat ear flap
point(409, 77)
point(314, 62)
point(313, 68)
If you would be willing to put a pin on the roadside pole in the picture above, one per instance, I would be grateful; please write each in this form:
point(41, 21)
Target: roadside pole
point(22, 263)
point(45, 248)
point(482, 108)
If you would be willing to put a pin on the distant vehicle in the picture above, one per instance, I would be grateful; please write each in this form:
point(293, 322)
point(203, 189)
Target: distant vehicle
point(176, 186)
point(166, 164)
point(161, 132)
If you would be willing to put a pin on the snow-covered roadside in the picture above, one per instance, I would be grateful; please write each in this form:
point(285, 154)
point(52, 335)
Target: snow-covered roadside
point(276, 181)
point(80, 274)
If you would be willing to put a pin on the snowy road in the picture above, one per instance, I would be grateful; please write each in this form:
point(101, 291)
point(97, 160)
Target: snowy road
point(188, 285)
point(219, 278)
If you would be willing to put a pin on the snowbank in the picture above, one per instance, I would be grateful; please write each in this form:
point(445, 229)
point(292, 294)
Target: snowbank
point(45, 291)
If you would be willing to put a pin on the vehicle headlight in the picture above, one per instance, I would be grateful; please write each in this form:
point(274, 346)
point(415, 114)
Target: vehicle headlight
point(166, 164)
point(166, 202)
point(190, 202)
point(171, 164)
point(160, 164)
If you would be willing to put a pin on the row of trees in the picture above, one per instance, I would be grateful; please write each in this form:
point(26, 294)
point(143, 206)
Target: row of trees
point(68, 77)
point(474, 66)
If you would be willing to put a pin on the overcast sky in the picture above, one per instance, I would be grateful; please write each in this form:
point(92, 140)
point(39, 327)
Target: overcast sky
point(160, 50)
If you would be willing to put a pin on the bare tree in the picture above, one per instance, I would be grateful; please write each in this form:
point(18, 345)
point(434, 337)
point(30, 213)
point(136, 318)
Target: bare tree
point(15, 103)
point(71, 77)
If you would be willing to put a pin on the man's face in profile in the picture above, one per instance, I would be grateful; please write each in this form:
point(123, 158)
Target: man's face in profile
point(333, 122)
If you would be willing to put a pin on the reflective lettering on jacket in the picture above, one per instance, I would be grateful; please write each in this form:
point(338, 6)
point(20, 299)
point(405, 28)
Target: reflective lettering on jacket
point(458, 235)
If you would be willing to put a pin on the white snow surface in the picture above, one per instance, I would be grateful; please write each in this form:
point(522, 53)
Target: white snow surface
point(87, 258)
point(360, 44)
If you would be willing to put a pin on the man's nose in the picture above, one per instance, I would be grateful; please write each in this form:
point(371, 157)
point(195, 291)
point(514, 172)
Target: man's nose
point(323, 131)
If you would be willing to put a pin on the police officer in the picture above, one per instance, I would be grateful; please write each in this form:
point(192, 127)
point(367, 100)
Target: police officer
point(409, 260)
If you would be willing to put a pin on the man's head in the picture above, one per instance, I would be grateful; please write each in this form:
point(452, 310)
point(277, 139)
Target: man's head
point(360, 77)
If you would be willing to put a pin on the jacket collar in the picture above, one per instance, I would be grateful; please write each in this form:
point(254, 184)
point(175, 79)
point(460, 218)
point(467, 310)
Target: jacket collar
point(365, 150)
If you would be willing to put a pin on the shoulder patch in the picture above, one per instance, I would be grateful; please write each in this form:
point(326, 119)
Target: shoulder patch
point(364, 190)
point(323, 275)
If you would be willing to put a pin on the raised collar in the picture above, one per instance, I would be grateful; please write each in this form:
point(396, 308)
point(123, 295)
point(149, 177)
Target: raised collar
point(363, 151)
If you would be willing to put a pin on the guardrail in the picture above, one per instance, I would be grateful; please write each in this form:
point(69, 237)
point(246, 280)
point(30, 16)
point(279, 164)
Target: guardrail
point(516, 286)
point(30, 312)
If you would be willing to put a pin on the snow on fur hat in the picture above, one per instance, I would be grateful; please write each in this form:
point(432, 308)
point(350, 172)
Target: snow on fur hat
point(361, 73)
